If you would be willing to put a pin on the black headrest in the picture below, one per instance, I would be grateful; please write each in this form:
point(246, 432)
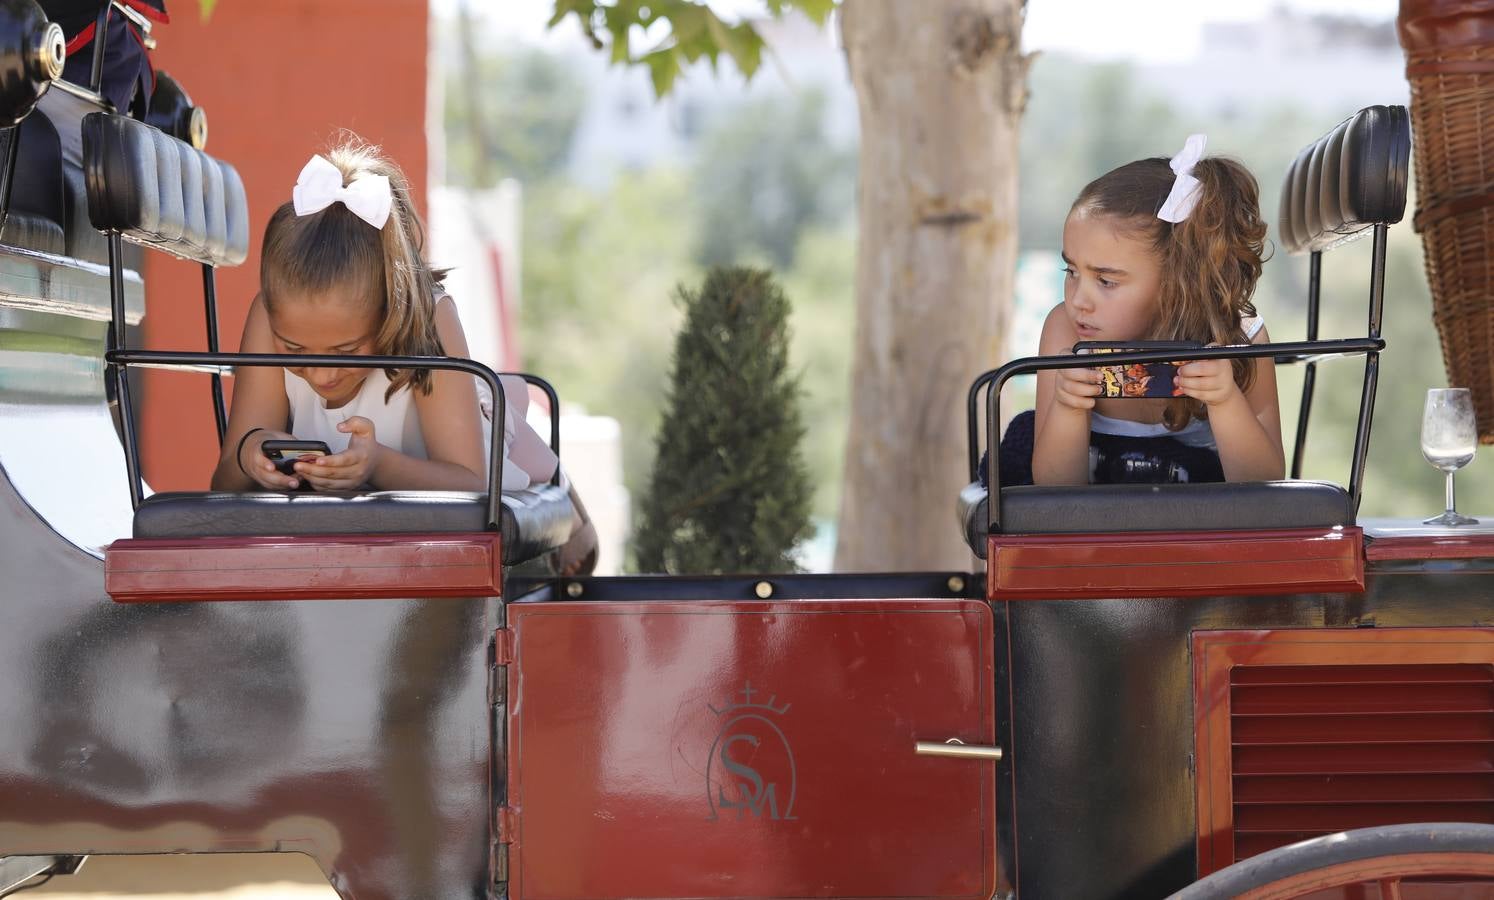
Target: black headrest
point(1349, 179)
point(161, 192)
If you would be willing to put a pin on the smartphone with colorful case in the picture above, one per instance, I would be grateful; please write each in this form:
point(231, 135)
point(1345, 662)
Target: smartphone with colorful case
point(1138, 380)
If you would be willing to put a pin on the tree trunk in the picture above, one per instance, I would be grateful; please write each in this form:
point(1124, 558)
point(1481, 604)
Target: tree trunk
point(940, 86)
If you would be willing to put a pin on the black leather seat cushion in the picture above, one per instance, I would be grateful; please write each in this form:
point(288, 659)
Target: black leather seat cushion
point(533, 521)
point(1349, 179)
point(33, 232)
point(1112, 508)
point(161, 192)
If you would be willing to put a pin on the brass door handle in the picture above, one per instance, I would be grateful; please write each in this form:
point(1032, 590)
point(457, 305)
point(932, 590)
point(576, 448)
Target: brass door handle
point(956, 747)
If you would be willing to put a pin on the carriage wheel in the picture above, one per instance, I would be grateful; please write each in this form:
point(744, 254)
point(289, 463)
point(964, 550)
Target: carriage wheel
point(1382, 856)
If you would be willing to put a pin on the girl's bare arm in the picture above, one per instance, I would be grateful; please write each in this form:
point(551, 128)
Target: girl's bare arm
point(1065, 398)
point(1247, 427)
point(258, 402)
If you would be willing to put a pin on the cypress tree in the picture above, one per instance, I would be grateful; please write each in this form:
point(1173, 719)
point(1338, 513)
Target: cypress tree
point(729, 492)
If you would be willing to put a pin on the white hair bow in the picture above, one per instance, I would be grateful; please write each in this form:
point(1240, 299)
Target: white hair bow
point(1184, 194)
point(320, 185)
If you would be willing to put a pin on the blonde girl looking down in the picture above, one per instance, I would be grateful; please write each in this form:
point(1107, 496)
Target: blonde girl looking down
point(342, 273)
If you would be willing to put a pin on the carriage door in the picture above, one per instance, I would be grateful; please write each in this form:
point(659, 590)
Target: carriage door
point(734, 749)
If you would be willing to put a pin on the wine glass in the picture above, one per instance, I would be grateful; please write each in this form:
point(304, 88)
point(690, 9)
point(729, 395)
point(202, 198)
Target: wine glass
point(1448, 439)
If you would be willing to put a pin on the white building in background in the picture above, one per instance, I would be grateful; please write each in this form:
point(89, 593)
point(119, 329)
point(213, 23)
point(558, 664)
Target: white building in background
point(1319, 63)
point(478, 236)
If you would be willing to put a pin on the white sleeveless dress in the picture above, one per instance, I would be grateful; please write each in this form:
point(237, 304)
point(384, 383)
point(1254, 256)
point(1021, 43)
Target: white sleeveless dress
point(527, 458)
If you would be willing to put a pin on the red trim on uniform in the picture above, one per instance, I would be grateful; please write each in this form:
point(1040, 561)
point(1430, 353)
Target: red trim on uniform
point(150, 12)
point(144, 54)
point(80, 39)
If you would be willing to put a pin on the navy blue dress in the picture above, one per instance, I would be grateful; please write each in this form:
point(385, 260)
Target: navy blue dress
point(1113, 458)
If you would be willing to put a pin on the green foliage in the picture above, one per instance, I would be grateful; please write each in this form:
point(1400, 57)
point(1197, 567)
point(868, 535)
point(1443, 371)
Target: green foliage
point(765, 175)
point(639, 233)
point(529, 102)
point(822, 284)
point(730, 492)
point(597, 318)
point(691, 31)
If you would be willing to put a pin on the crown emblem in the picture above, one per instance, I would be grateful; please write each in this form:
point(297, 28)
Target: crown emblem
point(747, 693)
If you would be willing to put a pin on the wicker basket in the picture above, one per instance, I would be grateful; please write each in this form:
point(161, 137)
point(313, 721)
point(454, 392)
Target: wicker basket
point(1449, 48)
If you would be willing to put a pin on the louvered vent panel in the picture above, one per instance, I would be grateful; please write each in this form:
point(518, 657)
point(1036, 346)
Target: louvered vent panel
point(1320, 749)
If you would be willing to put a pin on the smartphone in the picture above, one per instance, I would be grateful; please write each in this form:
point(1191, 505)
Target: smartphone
point(285, 453)
point(1138, 380)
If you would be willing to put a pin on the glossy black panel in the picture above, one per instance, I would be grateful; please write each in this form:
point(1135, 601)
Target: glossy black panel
point(355, 731)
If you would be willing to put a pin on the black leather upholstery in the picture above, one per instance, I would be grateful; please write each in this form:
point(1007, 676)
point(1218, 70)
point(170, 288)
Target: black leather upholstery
point(533, 521)
point(37, 213)
point(160, 192)
point(83, 240)
point(1107, 508)
point(1349, 179)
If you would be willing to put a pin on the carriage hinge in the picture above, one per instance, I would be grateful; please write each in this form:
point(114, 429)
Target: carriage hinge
point(503, 836)
point(503, 647)
point(499, 658)
point(507, 822)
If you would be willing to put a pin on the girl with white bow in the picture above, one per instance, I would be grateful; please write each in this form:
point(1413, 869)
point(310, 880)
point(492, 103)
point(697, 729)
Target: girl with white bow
point(1158, 250)
point(342, 273)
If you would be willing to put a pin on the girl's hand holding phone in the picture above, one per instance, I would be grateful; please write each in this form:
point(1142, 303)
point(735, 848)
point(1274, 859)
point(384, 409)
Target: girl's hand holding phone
point(1078, 388)
point(1211, 381)
point(260, 468)
point(352, 468)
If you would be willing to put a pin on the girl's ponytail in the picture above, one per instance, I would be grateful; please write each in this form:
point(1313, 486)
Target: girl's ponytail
point(1211, 262)
point(410, 290)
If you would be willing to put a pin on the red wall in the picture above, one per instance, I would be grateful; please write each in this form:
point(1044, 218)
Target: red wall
point(278, 78)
